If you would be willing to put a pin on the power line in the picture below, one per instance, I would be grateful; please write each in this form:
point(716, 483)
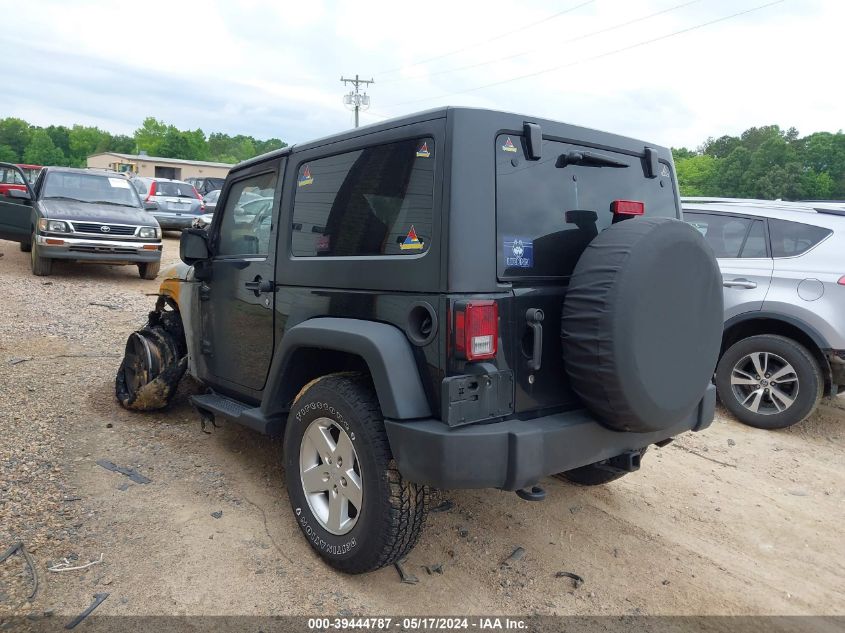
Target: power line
point(595, 57)
point(492, 39)
point(569, 41)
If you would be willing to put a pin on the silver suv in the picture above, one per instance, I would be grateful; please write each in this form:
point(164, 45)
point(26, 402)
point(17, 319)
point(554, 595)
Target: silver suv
point(783, 273)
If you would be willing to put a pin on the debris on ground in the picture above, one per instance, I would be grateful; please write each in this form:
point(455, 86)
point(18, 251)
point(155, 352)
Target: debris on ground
point(124, 486)
point(434, 569)
point(67, 565)
point(18, 361)
point(218, 514)
point(443, 506)
point(110, 306)
point(731, 442)
point(407, 578)
point(577, 581)
point(19, 547)
point(463, 532)
point(133, 474)
point(516, 555)
point(98, 600)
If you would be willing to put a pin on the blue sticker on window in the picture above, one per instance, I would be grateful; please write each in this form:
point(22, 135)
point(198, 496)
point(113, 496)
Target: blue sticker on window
point(519, 252)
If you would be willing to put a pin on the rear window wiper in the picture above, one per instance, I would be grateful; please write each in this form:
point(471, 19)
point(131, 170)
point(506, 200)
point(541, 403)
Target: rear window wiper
point(587, 159)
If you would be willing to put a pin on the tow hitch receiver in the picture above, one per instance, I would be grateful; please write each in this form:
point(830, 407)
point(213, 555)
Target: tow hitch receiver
point(627, 462)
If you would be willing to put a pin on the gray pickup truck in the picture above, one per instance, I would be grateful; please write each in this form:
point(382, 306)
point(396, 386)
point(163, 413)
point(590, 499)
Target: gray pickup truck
point(81, 215)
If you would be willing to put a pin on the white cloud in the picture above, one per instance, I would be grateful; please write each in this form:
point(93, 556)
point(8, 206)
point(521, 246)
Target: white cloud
point(271, 68)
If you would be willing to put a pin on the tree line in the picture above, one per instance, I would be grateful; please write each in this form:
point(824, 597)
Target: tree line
point(21, 142)
point(767, 163)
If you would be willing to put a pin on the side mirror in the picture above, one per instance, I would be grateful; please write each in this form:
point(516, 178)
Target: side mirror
point(19, 194)
point(193, 246)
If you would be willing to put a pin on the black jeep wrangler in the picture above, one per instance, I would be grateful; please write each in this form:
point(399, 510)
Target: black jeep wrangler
point(455, 299)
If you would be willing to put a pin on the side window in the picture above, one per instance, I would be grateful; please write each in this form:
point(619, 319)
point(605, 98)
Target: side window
point(248, 217)
point(140, 186)
point(724, 233)
point(792, 238)
point(755, 241)
point(374, 201)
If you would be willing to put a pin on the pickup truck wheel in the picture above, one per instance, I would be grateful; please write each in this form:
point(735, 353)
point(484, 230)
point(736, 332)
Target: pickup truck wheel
point(149, 270)
point(41, 266)
point(349, 498)
point(769, 382)
point(593, 474)
point(150, 371)
point(26, 247)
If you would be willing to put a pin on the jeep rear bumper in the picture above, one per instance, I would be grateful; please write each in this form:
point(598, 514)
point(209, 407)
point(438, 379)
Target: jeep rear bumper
point(515, 454)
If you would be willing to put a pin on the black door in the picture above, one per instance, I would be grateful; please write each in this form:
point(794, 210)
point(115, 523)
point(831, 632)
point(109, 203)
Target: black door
point(239, 304)
point(15, 212)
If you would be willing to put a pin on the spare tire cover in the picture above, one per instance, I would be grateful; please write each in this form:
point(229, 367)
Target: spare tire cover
point(642, 323)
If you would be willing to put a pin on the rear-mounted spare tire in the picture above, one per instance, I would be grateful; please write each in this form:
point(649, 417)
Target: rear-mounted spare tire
point(642, 323)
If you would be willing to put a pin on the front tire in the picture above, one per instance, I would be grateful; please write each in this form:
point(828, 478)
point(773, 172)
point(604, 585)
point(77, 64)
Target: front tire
point(769, 382)
point(41, 266)
point(149, 270)
point(350, 500)
point(26, 247)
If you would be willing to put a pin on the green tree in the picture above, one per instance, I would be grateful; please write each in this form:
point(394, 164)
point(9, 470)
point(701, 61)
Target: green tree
point(7, 154)
point(42, 151)
point(696, 175)
point(150, 136)
point(84, 141)
point(15, 133)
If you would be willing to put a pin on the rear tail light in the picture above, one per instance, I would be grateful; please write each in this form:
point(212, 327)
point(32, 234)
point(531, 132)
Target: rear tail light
point(627, 207)
point(841, 281)
point(476, 329)
point(152, 191)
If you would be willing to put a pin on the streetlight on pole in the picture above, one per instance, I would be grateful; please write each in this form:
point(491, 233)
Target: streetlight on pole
point(354, 98)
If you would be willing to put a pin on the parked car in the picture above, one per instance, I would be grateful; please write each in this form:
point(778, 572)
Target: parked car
point(784, 284)
point(206, 185)
point(210, 200)
point(175, 204)
point(11, 178)
point(81, 215)
point(456, 299)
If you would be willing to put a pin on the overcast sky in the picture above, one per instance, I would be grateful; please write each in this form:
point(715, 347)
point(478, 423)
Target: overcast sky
point(271, 68)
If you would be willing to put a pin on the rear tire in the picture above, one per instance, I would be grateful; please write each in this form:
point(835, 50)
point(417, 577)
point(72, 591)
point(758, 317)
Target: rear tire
point(339, 416)
point(41, 266)
point(149, 270)
point(593, 474)
point(793, 396)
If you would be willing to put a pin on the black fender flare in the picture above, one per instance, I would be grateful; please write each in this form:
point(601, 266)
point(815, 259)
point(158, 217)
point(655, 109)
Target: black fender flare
point(809, 330)
point(384, 348)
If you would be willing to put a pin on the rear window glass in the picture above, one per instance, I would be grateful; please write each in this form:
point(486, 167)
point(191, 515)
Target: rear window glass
point(374, 201)
point(546, 215)
point(793, 238)
point(174, 189)
point(730, 236)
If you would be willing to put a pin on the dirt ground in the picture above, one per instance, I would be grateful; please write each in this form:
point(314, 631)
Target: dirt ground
point(730, 521)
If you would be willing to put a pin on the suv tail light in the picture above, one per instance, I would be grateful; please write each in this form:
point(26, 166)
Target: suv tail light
point(627, 207)
point(476, 329)
point(152, 191)
point(841, 281)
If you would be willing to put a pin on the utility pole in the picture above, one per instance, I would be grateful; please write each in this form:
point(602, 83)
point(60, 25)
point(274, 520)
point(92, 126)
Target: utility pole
point(358, 100)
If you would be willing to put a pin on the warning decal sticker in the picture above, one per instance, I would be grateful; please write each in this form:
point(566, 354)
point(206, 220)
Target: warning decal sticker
point(305, 177)
point(422, 150)
point(509, 146)
point(412, 242)
point(518, 252)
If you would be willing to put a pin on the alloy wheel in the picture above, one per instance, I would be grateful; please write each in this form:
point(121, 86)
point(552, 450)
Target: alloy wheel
point(764, 383)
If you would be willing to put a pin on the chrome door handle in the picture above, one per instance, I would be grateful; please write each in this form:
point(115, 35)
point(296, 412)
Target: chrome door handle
point(739, 283)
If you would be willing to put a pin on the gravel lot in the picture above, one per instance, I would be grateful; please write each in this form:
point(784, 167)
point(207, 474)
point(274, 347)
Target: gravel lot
point(730, 521)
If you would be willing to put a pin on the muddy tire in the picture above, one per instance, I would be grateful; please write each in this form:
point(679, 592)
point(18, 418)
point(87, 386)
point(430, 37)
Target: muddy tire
point(152, 366)
point(41, 266)
point(593, 474)
point(349, 499)
point(149, 270)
